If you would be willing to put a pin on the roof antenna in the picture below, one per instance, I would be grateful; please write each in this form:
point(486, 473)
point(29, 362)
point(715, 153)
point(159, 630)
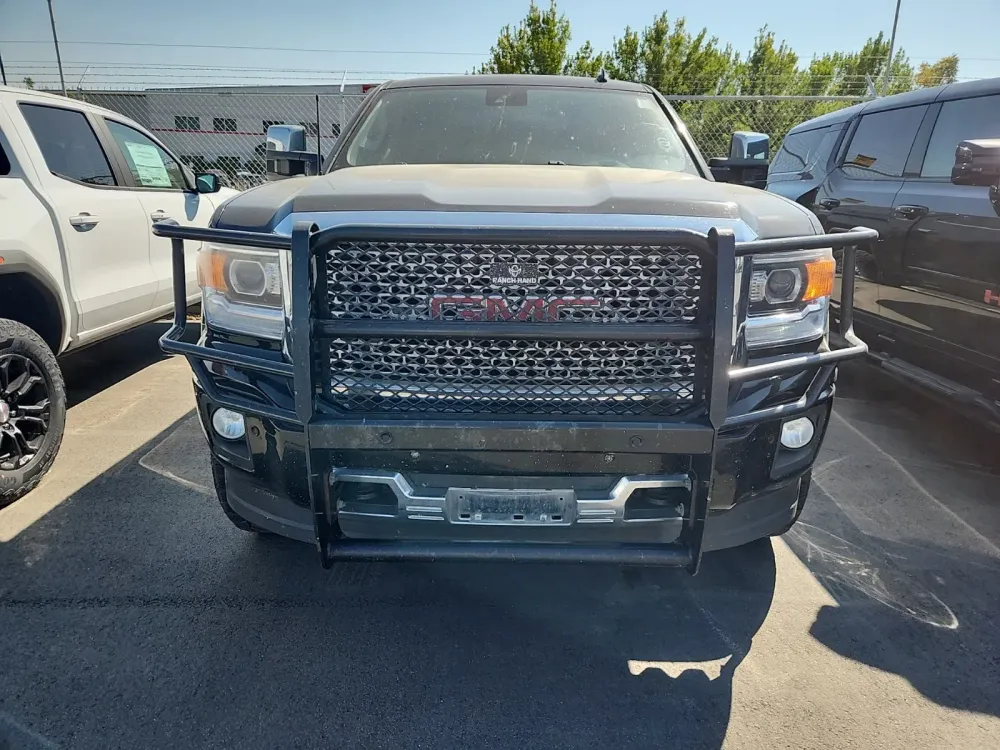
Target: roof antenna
point(602, 76)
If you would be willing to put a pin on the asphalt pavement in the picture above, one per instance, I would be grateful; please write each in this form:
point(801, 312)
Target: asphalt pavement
point(133, 615)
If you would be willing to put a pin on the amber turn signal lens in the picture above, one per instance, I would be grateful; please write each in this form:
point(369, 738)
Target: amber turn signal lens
point(211, 271)
point(819, 279)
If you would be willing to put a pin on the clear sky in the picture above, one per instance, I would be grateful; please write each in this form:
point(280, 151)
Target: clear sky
point(378, 39)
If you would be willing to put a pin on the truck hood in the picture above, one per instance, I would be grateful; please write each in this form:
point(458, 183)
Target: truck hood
point(516, 189)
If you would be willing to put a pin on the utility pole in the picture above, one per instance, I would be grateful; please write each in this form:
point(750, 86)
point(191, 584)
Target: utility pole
point(3, 73)
point(55, 39)
point(892, 46)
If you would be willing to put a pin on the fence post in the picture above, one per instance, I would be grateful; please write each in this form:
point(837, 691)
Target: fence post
point(319, 140)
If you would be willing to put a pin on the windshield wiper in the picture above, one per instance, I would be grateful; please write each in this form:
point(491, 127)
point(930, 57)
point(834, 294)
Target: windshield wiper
point(556, 163)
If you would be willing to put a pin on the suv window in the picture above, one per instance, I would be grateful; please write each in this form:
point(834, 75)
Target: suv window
point(803, 150)
point(150, 165)
point(961, 120)
point(4, 162)
point(881, 144)
point(68, 144)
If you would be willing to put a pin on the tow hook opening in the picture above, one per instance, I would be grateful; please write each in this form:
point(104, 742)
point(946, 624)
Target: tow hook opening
point(365, 497)
point(658, 503)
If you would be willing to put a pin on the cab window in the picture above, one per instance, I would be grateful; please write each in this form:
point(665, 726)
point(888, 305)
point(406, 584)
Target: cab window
point(149, 164)
point(881, 144)
point(68, 144)
point(802, 151)
point(961, 120)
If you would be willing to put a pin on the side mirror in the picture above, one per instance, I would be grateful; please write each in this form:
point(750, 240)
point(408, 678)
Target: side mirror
point(286, 154)
point(977, 163)
point(206, 182)
point(746, 145)
point(747, 161)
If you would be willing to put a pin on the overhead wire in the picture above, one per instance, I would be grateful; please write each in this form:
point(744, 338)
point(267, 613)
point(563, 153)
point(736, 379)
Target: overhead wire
point(249, 47)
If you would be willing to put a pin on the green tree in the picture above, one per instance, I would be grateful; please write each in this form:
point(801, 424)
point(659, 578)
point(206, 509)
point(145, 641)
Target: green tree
point(676, 62)
point(623, 60)
point(847, 73)
point(29, 82)
point(768, 68)
point(537, 45)
point(584, 62)
point(943, 71)
point(671, 59)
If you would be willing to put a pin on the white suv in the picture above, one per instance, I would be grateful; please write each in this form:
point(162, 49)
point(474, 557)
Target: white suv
point(80, 187)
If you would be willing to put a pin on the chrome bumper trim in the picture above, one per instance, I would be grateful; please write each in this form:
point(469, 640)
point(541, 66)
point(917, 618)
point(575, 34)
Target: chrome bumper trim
point(589, 506)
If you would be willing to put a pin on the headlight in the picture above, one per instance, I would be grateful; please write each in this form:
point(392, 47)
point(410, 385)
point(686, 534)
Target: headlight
point(789, 297)
point(242, 290)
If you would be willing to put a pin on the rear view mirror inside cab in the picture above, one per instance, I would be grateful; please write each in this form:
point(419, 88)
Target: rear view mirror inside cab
point(506, 96)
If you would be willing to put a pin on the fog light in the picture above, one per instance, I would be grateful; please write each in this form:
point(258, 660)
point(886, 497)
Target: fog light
point(796, 433)
point(229, 424)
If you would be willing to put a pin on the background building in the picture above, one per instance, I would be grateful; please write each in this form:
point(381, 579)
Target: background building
point(223, 127)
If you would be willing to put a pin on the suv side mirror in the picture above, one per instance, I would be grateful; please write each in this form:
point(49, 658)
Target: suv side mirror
point(977, 163)
point(747, 161)
point(286, 154)
point(206, 182)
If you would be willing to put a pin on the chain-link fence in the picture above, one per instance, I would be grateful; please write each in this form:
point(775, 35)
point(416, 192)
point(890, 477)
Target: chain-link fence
point(224, 130)
point(712, 119)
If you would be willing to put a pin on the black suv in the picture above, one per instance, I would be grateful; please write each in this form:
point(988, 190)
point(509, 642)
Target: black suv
point(923, 169)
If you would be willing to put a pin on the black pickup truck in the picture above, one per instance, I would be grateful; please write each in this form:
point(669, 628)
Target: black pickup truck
point(923, 169)
point(514, 318)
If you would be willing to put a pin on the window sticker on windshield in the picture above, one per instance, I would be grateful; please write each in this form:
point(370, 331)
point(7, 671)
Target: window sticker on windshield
point(149, 167)
point(863, 161)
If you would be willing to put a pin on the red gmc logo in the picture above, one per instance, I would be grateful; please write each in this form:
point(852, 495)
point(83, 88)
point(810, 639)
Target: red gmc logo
point(480, 307)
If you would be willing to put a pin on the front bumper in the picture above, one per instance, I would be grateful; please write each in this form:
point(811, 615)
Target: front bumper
point(630, 492)
point(756, 488)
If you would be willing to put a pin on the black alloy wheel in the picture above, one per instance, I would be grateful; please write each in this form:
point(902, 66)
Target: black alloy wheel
point(24, 411)
point(32, 410)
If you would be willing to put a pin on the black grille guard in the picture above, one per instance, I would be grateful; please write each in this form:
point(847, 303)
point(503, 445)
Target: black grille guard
point(720, 251)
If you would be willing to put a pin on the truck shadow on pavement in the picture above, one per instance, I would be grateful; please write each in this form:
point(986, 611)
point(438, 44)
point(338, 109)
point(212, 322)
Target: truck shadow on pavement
point(916, 609)
point(95, 368)
point(901, 530)
point(135, 616)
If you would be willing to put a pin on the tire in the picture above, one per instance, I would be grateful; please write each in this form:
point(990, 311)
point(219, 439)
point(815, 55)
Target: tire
point(800, 504)
point(32, 416)
point(219, 480)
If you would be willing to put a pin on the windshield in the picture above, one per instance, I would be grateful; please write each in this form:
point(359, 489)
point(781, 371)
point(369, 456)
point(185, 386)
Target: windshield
point(518, 125)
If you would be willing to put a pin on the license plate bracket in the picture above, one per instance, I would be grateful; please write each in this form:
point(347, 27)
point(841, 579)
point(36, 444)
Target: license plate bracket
point(511, 507)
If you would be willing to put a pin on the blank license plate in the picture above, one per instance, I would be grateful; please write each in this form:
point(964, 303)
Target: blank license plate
point(511, 506)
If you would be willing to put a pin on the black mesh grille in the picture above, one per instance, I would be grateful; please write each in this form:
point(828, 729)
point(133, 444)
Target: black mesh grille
point(505, 377)
point(392, 280)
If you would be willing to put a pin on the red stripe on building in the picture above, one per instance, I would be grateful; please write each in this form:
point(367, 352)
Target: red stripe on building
point(207, 132)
